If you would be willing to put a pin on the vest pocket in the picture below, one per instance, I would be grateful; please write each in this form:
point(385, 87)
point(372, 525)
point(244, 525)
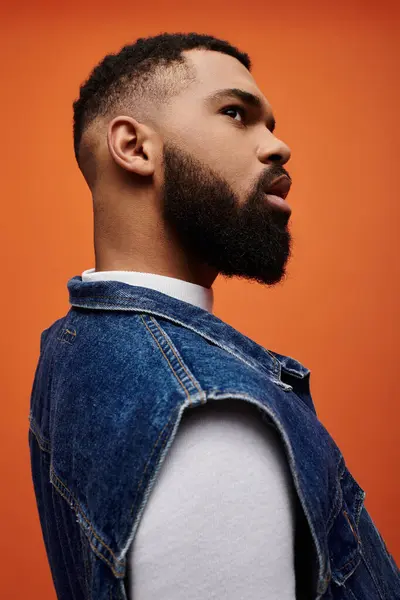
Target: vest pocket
point(343, 538)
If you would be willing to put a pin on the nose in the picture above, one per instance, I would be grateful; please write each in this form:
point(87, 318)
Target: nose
point(274, 151)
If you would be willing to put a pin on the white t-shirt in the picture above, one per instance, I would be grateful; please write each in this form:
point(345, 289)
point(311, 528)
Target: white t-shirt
point(220, 520)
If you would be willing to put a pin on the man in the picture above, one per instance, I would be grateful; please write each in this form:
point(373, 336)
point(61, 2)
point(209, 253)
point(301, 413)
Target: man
point(172, 456)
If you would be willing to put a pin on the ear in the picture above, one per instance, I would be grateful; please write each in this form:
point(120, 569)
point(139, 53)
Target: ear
point(129, 143)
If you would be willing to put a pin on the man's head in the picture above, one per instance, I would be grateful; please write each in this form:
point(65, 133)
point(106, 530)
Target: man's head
point(178, 180)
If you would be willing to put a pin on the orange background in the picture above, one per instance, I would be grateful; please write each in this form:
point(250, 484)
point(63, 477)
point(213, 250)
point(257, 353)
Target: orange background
point(330, 72)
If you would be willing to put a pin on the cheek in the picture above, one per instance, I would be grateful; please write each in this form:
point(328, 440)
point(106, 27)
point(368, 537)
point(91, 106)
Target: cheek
point(238, 171)
point(230, 160)
point(222, 151)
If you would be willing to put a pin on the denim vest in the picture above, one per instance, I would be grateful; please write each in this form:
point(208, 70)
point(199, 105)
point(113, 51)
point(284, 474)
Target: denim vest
point(112, 381)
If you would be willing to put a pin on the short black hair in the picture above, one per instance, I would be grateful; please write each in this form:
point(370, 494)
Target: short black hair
point(138, 63)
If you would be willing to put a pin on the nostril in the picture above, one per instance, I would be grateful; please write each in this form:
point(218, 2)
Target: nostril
point(276, 158)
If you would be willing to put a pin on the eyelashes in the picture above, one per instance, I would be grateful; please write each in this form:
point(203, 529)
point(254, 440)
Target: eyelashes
point(235, 107)
point(245, 114)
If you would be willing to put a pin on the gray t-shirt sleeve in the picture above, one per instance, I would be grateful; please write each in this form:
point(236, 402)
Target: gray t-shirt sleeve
point(220, 520)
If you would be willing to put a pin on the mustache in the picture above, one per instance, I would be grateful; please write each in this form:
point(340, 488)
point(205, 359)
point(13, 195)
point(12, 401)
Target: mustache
point(272, 174)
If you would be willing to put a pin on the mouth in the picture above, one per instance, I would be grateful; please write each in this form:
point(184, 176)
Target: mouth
point(280, 187)
point(277, 192)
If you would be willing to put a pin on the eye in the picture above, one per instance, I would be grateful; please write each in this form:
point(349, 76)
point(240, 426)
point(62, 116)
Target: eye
point(235, 108)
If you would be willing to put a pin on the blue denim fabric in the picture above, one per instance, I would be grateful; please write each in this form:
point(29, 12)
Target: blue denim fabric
point(112, 381)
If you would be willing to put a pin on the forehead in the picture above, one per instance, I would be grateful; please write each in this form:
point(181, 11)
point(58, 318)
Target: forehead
point(216, 70)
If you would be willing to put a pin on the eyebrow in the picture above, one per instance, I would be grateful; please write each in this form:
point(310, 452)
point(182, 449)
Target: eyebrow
point(245, 97)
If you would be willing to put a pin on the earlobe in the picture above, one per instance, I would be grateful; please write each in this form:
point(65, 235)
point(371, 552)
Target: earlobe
point(126, 138)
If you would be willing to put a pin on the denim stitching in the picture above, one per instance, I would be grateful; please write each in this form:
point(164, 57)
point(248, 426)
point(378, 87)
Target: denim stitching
point(342, 510)
point(352, 560)
point(360, 498)
point(166, 358)
point(83, 515)
point(351, 526)
point(38, 437)
point(148, 461)
point(372, 575)
point(196, 385)
point(338, 500)
point(77, 506)
point(95, 550)
point(62, 337)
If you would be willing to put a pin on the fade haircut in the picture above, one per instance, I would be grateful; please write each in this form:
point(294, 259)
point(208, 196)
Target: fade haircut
point(143, 75)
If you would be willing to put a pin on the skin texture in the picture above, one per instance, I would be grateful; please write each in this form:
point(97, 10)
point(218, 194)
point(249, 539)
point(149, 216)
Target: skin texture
point(185, 197)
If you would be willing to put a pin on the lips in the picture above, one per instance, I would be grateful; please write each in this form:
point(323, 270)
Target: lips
point(279, 187)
